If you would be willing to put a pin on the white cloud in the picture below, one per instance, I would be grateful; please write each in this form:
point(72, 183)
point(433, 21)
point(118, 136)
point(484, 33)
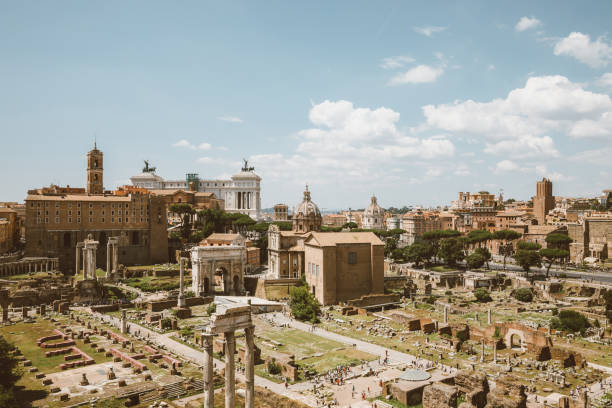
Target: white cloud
point(417, 75)
point(526, 23)
point(429, 30)
point(505, 166)
point(350, 142)
point(545, 105)
point(232, 119)
point(606, 80)
point(491, 67)
point(595, 54)
point(462, 170)
point(596, 156)
point(525, 146)
point(187, 144)
point(223, 148)
point(396, 62)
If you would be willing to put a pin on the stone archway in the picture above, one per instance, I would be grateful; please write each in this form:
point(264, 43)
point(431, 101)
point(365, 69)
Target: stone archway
point(210, 262)
point(514, 339)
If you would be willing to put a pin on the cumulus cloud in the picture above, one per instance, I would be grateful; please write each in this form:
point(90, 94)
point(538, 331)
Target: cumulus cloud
point(527, 23)
point(429, 30)
point(523, 147)
point(505, 166)
point(596, 156)
point(606, 80)
point(396, 62)
point(509, 166)
point(595, 54)
point(520, 124)
point(348, 141)
point(231, 119)
point(187, 144)
point(417, 75)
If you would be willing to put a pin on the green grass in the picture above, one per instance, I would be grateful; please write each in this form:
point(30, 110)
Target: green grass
point(395, 403)
point(153, 283)
point(332, 359)
point(442, 268)
point(24, 336)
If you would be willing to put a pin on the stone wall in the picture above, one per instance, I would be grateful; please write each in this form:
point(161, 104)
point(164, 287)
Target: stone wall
point(439, 395)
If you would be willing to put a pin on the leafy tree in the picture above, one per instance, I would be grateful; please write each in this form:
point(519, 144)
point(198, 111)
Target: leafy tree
point(552, 255)
point(434, 237)
point(527, 255)
point(350, 225)
point(571, 321)
point(475, 260)
point(482, 295)
point(523, 294)
point(505, 246)
point(185, 211)
point(418, 252)
point(558, 240)
point(390, 246)
point(9, 375)
point(479, 237)
point(397, 255)
point(451, 251)
point(304, 306)
point(485, 253)
point(325, 228)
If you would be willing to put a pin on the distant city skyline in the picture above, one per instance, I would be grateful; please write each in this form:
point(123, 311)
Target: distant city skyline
point(410, 102)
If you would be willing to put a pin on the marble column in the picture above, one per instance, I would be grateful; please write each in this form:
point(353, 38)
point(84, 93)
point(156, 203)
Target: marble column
point(495, 352)
point(489, 316)
point(249, 362)
point(115, 259)
point(230, 369)
point(108, 259)
point(123, 322)
point(445, 314)
point(209, 389)
point(482, 353)
point(181, 296)
point(84, 263)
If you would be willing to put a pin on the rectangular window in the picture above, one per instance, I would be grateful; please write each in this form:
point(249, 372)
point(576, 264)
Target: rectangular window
point(56, 212)
point(317, 271)
point(91, 220)
point(57, 220)
point(127, 220)
point(78, 212)
point(112, 220)
point(103, 205)
point(91, 213)
point(102, 219)
point(90, 205)
point(46, 212)
point(78, 205)
point(69, 205)
point(46, 203)
point(69, 212)
point(38, 212)
point(70, 220)
point(102, 212)
point(78, 220)
point(119, 220)
point(46, 220)
point(57, 204)
point(352, 258)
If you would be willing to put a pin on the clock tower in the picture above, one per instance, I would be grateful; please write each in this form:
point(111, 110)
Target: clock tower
point(94, 171)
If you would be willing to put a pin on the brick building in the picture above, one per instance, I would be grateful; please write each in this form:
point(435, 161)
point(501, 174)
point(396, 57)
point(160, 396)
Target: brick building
point(342, 266)
point(57, 218)
point(9, 229)
point(591, 238)
point(544, 201)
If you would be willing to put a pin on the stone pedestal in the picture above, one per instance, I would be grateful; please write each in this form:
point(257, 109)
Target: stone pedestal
point(181, 297)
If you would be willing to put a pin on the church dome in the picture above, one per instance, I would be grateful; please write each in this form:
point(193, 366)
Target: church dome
point(374, 209)
point(307, 207)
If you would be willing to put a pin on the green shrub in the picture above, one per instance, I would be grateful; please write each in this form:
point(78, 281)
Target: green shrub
point(166, 323)
point(304, 306)
point(523, 294)
point(212, 308)
point(274, 368)
point(463, 335)
point(430, 299)
point(482, 295)
point(570, 321)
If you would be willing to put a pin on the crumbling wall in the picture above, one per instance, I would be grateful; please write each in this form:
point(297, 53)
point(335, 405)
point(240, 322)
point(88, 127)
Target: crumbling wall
point(508, 393)
point(439, 395)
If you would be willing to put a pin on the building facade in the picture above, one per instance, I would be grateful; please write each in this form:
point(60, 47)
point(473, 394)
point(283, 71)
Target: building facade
point(241, 193)
point(281, 212)
point(591, 238)
point(342, 266)
point(58, 218)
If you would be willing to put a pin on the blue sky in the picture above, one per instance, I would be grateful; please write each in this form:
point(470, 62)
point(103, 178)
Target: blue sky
point(410, 101)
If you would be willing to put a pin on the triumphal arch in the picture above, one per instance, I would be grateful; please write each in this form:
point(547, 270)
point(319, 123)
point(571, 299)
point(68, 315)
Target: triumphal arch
point(218, 266)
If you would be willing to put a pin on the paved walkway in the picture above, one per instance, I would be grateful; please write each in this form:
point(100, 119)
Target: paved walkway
point(197, 357)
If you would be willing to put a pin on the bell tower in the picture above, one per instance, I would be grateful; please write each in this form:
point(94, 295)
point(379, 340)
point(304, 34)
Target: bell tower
point(95, 171)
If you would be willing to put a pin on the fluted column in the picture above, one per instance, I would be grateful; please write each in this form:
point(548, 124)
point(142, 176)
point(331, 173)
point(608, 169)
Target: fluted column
point(209, 389)
point(108, 259)
point(115, 256)
point(230, 370)
point(249, 362)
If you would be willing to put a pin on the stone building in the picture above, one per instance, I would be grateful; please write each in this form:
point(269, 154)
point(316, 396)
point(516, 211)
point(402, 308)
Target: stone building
point(286, 248)
point(591, 238)
point(417, 223)
point(342, 266)
point(281, 212)
point(240, 194)
point(468, 201)
point(9, 229)
point(334, 220)
point(373, 216)
point(58, 218)
point(544, 201)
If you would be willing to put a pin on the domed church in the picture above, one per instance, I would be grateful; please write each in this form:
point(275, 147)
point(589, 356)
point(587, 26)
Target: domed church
point(373, 216)
point(307, 216)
